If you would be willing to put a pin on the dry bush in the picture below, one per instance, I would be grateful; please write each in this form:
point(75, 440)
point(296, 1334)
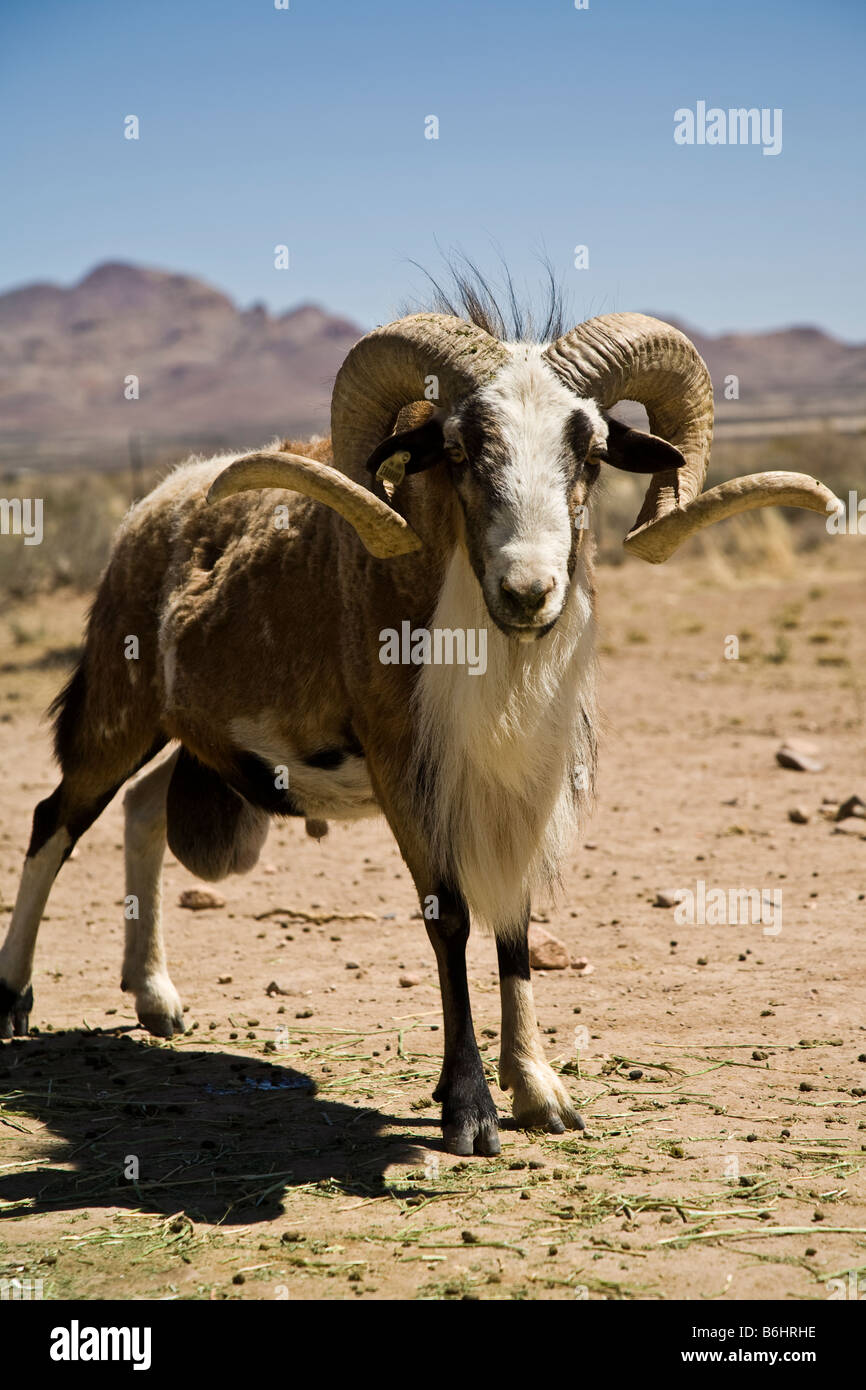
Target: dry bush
point(766, 540)
point(80, 514)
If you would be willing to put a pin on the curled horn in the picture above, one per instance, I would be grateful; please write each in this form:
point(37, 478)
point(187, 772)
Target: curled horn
point(432, 357)
point(633, 357)
point(425, 357)
point(381, 529)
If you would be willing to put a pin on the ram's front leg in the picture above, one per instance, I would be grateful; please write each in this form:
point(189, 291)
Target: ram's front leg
point(469, 1119)
point(540, 1100)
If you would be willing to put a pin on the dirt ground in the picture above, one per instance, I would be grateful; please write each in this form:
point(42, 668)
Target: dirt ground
point(287, 1146)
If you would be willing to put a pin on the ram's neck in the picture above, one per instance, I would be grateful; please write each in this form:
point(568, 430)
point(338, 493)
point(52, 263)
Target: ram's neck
point(512, 744)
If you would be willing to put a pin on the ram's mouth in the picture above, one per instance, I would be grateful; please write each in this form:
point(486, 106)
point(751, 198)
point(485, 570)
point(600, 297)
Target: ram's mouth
point(525, 632)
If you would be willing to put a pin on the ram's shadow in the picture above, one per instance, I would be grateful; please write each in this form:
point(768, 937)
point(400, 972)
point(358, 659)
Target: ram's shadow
point(121, 1123)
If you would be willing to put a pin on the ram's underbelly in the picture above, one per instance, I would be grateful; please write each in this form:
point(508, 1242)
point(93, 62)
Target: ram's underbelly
point(330, 782)
point(339, 793)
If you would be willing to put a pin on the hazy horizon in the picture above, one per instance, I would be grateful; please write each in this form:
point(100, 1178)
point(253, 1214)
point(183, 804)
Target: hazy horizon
point(334, 310)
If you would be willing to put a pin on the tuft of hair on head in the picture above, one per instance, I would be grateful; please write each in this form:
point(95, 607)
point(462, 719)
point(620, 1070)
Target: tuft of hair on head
point(470, 295)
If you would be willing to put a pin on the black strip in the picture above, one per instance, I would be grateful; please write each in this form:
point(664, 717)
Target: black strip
point(252, 777)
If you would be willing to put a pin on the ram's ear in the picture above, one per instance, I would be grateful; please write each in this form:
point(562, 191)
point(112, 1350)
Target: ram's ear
point(410, 451)
point(636, 452)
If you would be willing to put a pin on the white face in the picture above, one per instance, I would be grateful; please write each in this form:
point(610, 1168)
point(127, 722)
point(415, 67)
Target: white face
point(528, 443)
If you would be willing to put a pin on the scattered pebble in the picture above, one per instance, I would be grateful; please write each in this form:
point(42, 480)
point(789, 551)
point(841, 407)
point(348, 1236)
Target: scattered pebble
point(852, 807)
point(546, 951)
point(224, 980)
point(800, 755)
point(798, 816)
point(583, 967)
point(669, 898)
point(197, 899)
point(407, 981)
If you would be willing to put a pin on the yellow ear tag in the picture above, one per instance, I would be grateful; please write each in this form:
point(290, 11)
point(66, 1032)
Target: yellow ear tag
point(393, 469)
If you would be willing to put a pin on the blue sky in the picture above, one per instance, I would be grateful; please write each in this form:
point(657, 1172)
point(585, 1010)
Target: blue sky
point(306, 127)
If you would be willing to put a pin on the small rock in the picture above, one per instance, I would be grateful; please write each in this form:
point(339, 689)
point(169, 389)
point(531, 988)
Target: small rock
point(224, 979)
point(274, 988)
point(852, 807)
point(546, 951)
point(798, 816)
point(582, 966)
point(800, 755)
point(352, 965)
point(407, 981)
point(198, 899)
point(669, 899)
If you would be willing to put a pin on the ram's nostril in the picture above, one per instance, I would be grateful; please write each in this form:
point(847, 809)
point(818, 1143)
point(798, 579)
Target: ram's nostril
point(529, 597)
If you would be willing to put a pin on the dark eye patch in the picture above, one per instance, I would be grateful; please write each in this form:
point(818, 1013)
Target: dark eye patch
point(578, 434)
point(486, 453)
point(477, 427)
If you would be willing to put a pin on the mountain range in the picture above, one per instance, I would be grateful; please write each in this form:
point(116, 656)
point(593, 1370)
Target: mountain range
point(210, 369)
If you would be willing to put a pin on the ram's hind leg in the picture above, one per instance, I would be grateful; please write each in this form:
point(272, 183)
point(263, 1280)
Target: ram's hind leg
point(50, 843)
point(539, 1099)
point(58, 822)
point(145, 972)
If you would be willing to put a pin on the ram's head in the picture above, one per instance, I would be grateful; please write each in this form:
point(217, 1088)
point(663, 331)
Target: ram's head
point(523, 431)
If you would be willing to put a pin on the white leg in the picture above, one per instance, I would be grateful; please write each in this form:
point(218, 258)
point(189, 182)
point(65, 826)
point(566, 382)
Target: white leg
point(540, 1100)
point(145, 973)
point(16, 954)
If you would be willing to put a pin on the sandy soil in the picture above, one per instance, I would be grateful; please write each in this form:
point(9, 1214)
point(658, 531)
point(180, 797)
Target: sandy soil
point(723, 1078)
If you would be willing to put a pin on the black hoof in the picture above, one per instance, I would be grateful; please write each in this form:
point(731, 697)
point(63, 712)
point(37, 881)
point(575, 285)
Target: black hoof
point(161, 1026)
point(470, 1123)
point(15, 1011)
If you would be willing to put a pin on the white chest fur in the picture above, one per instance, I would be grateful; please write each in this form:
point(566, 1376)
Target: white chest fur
point(512, 751)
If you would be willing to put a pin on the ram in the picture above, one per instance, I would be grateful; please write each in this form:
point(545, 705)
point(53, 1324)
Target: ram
point(242, 618)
